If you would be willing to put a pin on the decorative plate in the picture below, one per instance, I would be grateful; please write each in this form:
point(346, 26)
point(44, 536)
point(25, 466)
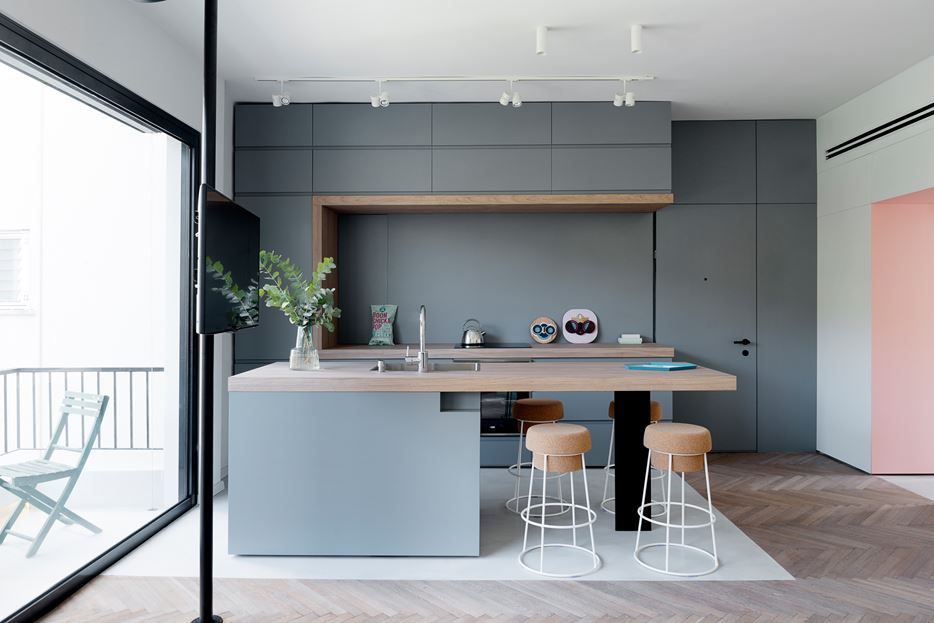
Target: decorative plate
point(544, 330)
point(580, 326)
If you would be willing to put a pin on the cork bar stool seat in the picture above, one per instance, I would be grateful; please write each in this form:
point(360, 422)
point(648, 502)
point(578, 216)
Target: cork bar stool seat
point(686, 444)
point(559, 449)
point(675, 447)
point(529, 412)
point(655, 415)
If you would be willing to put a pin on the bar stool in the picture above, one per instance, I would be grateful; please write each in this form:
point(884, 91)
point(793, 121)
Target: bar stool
point(678, 448)
point(529, 412)
point(559, 449)
point(655, 415)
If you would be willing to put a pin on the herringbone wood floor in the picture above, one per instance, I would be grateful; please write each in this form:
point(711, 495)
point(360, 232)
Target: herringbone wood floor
point(860, 548)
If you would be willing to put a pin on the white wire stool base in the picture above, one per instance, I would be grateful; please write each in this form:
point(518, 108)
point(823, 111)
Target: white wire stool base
point(591, 516)
point(515, 470)
point(682, 506)
point(611, 465)
point(605, 503)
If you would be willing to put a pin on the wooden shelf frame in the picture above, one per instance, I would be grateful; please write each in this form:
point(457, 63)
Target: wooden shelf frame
point(326, 209)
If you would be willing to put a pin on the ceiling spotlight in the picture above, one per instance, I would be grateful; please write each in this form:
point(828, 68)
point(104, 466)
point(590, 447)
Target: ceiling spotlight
point(505, 98)
point(516, 99)
point(541, 34)
point(381, 99)
point(620, 97)
point(630, 99)
point(635, 38)
point(281, 98)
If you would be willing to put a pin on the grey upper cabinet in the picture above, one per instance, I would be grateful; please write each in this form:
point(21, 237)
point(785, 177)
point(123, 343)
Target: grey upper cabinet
point(786, 157)
point(264, 125)
point(285, 226)
point(601, 123)
point(490, 124)
point(611, 169)
point(273, 171)
point(361, 125)
point(713, 161)
point(372, 170)
point(491, 170)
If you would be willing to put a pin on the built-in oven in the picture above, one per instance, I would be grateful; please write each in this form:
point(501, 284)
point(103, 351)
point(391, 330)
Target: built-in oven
point(496, 413)
point(496, 407)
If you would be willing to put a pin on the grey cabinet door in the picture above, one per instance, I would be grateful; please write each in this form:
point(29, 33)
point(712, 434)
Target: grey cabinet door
point(787, 322)
point(713, 161)
point(786, 161)
point(273, 171)
point(491, 170)
point(361, 125)
point(601, 123)
point(262, 125)
point(490, 124)
point(706, 299)
point(372, 170)
point(610, 169)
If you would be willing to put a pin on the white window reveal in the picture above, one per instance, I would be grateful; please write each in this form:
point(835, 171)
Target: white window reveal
point(14, 281)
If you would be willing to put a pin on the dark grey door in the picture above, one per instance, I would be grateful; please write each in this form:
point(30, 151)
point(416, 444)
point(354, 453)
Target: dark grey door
point(705, 301)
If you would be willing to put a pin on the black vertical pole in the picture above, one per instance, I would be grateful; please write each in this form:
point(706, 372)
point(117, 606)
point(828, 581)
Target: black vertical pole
point(206, 343)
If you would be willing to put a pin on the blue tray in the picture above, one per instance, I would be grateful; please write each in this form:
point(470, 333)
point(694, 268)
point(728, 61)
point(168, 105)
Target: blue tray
point(661, 366)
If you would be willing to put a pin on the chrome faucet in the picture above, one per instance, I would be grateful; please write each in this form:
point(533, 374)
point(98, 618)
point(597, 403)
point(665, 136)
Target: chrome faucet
point(422, 331)
point(422, 358)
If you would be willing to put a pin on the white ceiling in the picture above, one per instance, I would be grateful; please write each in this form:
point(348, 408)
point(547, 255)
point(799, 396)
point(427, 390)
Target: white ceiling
point(714, 59)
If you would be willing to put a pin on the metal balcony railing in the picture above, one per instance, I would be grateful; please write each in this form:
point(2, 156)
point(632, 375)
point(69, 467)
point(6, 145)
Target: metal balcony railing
point(30, 400)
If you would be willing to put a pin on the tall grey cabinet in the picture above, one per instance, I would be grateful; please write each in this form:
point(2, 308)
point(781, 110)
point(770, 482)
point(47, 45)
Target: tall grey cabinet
point(736, 270)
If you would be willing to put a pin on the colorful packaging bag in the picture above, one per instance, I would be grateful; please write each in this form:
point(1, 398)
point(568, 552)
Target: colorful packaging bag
point(383, 317)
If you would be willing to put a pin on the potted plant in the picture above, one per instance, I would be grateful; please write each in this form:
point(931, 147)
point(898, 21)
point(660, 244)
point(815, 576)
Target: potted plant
point(306, 304)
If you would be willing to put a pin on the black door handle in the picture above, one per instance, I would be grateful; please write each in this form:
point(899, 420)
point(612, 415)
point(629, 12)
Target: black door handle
point(744, 341)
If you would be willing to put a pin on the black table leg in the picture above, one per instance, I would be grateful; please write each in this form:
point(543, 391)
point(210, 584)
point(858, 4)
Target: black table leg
point(632, 416)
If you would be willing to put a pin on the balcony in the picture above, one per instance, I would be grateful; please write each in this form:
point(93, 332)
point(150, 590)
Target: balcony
point(123, 486)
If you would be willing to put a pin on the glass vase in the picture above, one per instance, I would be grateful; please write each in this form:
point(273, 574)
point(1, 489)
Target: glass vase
point(304, 356)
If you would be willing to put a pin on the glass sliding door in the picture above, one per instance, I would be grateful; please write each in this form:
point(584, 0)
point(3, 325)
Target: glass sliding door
point(95, 300)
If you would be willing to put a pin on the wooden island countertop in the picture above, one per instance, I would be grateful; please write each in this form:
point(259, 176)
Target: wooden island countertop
point(537, 351)
point(492, 377)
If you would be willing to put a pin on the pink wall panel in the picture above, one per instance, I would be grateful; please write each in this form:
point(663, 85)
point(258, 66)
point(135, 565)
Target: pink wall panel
point(903, 335)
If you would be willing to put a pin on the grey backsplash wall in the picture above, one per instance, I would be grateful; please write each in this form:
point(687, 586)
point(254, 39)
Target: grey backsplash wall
point(503, 269)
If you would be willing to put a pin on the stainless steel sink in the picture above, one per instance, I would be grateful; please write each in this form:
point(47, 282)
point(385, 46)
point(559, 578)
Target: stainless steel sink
point(433, 366)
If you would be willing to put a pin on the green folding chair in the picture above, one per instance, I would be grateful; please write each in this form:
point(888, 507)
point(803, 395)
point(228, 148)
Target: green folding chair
point(22, 479)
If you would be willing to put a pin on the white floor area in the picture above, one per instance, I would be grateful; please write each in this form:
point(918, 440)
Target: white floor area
point(174, 551)
point(66, 549)
point(922, 485)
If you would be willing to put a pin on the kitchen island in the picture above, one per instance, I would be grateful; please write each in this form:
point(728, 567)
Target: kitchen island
point(348, 460)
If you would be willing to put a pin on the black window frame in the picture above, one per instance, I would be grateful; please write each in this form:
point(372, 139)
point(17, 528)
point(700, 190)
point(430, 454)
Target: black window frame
point(83, 80)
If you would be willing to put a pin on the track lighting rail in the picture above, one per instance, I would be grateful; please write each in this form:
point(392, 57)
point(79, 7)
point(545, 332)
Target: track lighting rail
point(511, 96)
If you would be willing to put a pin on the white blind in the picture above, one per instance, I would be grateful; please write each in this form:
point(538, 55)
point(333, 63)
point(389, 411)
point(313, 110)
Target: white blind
point(12, 267)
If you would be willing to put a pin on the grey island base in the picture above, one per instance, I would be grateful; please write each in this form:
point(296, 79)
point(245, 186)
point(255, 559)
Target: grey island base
point(349, 461)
